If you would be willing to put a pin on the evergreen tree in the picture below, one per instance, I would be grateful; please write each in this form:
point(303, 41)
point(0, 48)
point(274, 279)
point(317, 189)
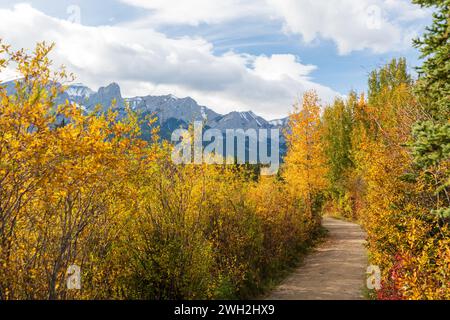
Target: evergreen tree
point(434, 82)
point(431, 146)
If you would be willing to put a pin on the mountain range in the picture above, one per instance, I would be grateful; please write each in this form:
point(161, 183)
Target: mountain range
point(168, 108)
point(172, 112)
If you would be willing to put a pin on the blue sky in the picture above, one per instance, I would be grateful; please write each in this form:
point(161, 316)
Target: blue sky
point(229, 55)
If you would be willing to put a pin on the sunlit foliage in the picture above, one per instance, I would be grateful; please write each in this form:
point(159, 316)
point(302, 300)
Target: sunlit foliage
point(84, 189)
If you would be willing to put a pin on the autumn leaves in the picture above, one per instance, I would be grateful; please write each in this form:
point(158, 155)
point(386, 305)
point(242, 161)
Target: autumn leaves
point(84, 189)
point(56, 180)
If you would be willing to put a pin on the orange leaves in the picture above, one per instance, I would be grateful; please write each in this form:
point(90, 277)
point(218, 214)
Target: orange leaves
point(59, 173)
point(83, 189)
point(404, 239)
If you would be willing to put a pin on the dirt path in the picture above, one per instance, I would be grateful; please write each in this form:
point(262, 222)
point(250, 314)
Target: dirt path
point(335, 271)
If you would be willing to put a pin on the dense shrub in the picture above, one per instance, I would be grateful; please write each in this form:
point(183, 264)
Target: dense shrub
point(84, 189)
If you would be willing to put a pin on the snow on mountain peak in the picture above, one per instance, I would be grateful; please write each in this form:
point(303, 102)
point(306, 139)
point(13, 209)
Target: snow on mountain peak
point(169, 107)
point(79, 91)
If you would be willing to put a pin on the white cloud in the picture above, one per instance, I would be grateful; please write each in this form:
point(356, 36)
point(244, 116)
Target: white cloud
point(378, 25)
point(281, 66)
point(352, 24)
point(144, 61)
point(8, 74)
point(406, 11)
point(194, 12)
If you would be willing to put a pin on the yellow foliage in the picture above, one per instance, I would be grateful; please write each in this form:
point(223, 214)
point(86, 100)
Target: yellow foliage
point(306, 169)
point(409, 245)
point(84, 189)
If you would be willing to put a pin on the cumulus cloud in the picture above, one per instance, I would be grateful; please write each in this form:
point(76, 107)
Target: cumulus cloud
point(144, 61)
point(378, 25)
point(281, 66)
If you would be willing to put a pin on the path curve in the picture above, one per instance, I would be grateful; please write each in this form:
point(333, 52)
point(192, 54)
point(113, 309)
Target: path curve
point(334, 271)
